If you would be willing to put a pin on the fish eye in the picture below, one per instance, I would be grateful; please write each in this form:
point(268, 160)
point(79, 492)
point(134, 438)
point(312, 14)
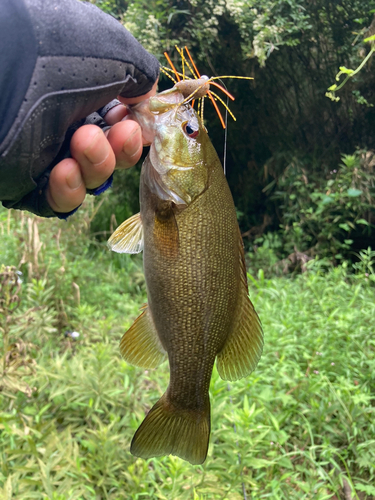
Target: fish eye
point(190, 130)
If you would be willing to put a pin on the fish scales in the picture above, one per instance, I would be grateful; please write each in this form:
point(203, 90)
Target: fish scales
point(198, 306)
point(204, 313)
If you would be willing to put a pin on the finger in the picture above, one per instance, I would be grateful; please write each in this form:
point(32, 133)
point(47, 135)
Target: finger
point(134, 100)
point(89, 146)
point(126, 140)
point(145, 141)
point(116, 114)
point(66, 189)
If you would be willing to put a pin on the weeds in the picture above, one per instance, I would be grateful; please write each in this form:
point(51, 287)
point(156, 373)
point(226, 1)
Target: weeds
point(16, 362)
point(302, 426)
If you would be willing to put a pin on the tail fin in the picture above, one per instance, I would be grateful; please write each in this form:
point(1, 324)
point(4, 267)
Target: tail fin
point(168, 430)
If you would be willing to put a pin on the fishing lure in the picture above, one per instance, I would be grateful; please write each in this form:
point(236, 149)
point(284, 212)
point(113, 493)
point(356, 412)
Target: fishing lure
point(198, 87)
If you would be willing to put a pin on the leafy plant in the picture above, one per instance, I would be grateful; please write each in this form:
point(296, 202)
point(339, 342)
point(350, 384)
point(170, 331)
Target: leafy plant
point(15, 362)
point(350, 73)
point(365, 267)
point(326, 217)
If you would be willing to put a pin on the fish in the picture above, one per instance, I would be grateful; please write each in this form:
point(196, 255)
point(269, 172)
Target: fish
point(198, 307)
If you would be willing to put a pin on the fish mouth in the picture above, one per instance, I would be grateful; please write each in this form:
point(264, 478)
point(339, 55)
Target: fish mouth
point(141, 114)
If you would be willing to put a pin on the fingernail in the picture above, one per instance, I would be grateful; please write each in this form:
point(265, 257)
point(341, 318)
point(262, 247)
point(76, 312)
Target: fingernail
point(74, 179)
point(131, 147)
point(98, 150)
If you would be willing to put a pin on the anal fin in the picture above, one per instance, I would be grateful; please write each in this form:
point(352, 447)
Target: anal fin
point(244, 346)
point(140, 345)
point(128, 237)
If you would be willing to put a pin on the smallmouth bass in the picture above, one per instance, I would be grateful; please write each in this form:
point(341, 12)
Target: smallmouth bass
point(198, 306)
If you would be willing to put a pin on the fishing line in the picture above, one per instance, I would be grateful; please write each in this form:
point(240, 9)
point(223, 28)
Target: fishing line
point(225, 132)
point(225, 142)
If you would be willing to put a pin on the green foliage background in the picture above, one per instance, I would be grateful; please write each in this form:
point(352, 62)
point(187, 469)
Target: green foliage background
point(300, 427)
point(301, 169)
point(287, 131)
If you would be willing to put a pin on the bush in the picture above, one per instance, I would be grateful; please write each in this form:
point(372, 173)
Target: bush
point(331, 216)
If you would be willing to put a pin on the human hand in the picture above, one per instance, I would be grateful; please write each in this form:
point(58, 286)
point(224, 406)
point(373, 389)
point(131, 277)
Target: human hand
point(71, 60)
point(95, 154)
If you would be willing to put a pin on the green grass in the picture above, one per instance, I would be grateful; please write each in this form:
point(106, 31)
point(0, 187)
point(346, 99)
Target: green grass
point(302, 423)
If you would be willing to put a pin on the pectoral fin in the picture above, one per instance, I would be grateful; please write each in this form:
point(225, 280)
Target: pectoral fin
point(244, 346)
point(128, 237)
point(165, 232)
point(140, 345)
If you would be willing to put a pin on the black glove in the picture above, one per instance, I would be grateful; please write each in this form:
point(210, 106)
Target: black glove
point(60, 61)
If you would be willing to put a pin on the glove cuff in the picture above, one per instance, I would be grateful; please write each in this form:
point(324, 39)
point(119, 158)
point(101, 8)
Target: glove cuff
point(103, 187)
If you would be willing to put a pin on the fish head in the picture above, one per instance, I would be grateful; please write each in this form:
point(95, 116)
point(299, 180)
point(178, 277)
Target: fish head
point(177, 168)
